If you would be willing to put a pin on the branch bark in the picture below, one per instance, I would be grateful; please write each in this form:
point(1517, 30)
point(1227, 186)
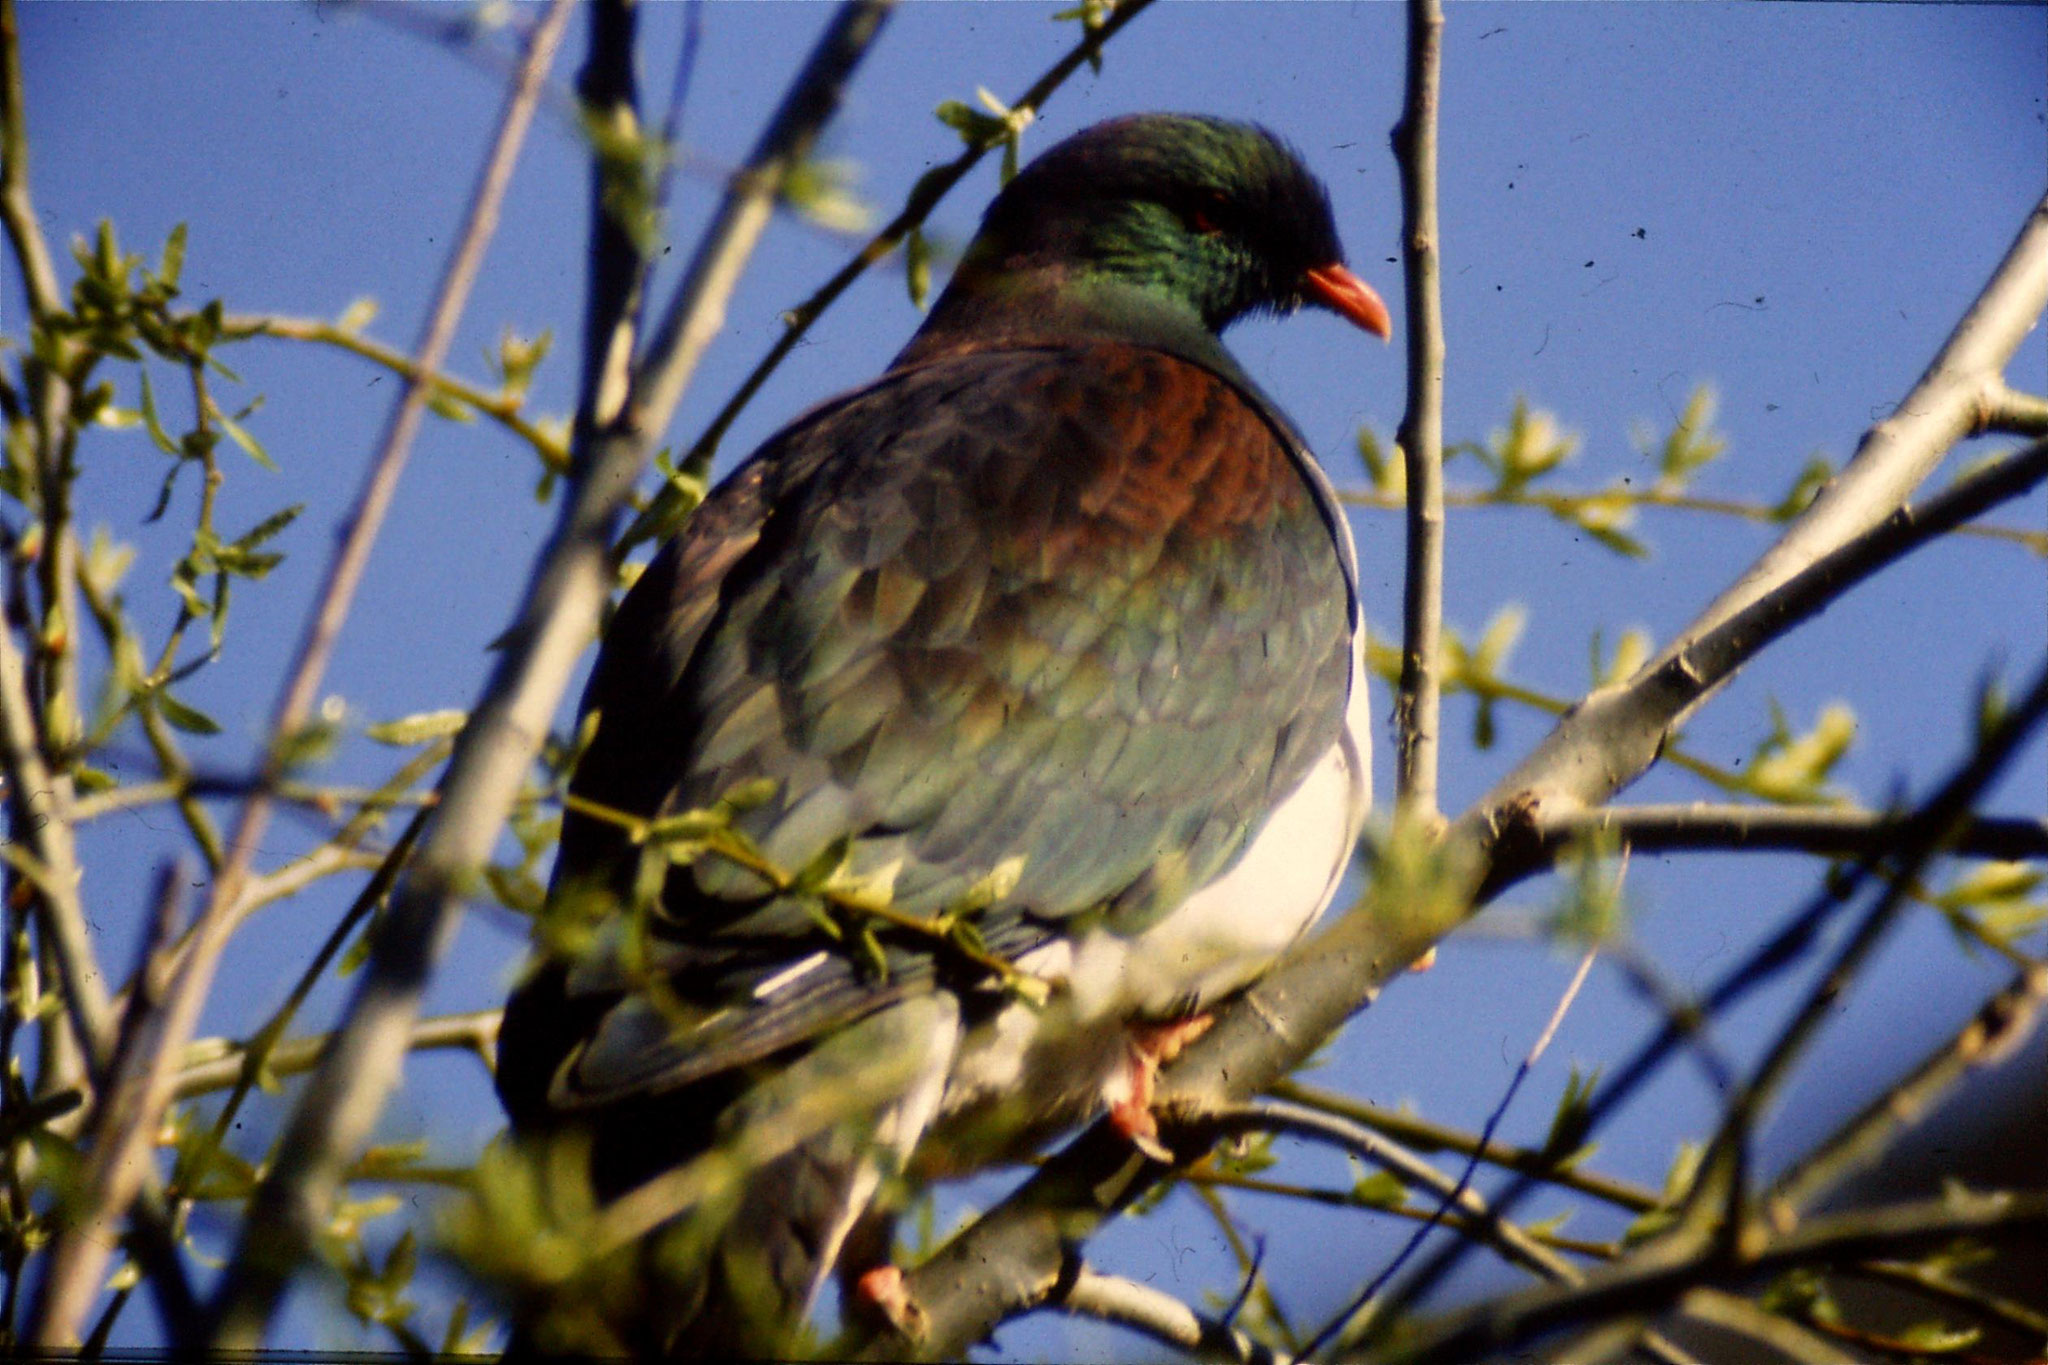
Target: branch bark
point(1418, 709)
point(1825, 830)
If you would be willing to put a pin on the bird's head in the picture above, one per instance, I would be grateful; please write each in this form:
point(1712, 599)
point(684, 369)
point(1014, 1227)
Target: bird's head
point(1199, 214)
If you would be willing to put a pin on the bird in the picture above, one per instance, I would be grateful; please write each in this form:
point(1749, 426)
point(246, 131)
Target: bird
point(972, 740)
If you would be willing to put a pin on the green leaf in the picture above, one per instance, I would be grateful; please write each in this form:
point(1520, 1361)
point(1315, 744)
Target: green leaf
point(418, 728)
point(173, 258)
point(1380, 1190)
point(917, 267)
point(249, 444)
point(1804, 490)
point(1569, 1125)
point(269, 527)
point(358, 315)
point(190, 719)
point(1938, 1338)
point(1692, 444)
point(152, 422)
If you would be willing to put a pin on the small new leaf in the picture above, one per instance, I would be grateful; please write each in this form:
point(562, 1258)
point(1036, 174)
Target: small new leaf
point(418, 728)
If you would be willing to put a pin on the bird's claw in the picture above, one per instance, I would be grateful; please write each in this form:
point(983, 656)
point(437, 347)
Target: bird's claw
point(884, 1291)
point(1151, 1046)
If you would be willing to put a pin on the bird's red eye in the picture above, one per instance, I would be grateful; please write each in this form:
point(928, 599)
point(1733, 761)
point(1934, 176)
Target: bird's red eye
point(1203, 223)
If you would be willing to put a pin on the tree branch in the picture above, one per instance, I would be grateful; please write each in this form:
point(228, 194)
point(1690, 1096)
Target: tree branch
point(17, 208)
point(1647, 1284)
point(1160, 1316)
point(1990, 1037)
point(1825, 830)
point(1418, 709)
point(560, 610)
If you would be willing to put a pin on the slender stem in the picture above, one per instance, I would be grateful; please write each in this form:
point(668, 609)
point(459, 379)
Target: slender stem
point(475, 1032)
point(1562, 504)
point(17, 209)
point(114, 1176)
point(1425, 1136)
point(1646, 1284)
point(1160, 1316)
point(1732, 1313)
point(1991, 1036)
point(1829, 831)
point(1418, 711)
point(1457, 1193)
point(1934, 1284)
point(499, 407)
point(560, 610)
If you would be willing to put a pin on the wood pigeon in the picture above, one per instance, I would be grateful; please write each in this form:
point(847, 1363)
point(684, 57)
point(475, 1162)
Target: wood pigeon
point(1021, 701)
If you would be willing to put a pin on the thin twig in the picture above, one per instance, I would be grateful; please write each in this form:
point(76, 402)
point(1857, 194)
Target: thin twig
point(1782, 950)
point(1732, 1313)
point(1418, 710)
point(1456, 1194)
point(2014, 1317)
point(113, 1178)
point(17, 209)
point(475, 1032)
point(560, 610)
point(1562, 504)
point(503, 408)
point(1284, 1116)
point(1424, 1135)
point(1991, 1035)
point(1160, 1316)
point(1829, 831)
point(1647, 1284)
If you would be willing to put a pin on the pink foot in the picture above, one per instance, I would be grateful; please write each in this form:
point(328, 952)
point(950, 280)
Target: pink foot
point(883, 1290)
point(1149, 1047)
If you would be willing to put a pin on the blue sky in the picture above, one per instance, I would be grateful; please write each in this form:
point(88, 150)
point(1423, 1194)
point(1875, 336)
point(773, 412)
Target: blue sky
point(1791, 203)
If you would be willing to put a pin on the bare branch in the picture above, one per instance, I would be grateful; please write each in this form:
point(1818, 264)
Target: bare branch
point(17, 209)
point(561, 608)
point(1419, 705)
point(1991, 1036)
point(2014, 1317)
point(1647, 1284)
point(1160, 1316)
point(2009, 410)
point(226, 1062)
point(1827, 830)
point(1283, 1116)
point(1422, 1135)
point(1732, 1313)
point(113, 1177)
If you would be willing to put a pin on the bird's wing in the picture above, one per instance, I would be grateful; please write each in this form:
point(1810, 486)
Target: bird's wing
point(1042, 633)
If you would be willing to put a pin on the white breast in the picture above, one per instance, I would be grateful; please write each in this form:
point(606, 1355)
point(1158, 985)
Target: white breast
point(1219, 939)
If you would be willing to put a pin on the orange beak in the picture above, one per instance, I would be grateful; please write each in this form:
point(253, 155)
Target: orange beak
point(1344, 294)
